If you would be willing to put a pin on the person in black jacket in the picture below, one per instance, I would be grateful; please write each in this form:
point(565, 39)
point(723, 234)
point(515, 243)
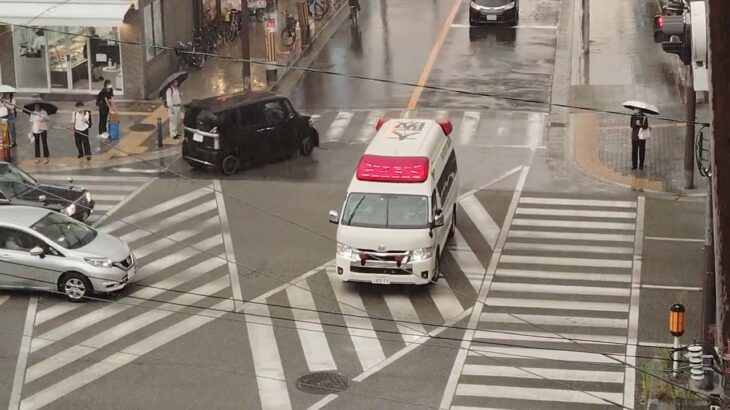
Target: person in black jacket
point(638, 122)
point(104, 100)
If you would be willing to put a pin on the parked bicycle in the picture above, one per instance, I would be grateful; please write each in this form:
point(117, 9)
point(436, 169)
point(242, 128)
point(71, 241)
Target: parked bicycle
point(257, 9)
point(289, 33)
point(318, 8)
point(232, 24)
point(188, 56)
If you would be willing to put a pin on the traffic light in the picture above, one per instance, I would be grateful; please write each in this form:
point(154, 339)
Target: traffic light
point(677, 37)
point(667, 26)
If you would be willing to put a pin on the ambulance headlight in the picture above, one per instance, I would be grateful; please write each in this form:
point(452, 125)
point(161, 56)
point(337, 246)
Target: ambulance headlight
point(346, 252)
point(422, 254)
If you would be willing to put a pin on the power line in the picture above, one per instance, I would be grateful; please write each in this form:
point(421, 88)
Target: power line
point(379, 80)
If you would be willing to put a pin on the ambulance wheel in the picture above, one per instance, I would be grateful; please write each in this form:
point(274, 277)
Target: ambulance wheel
point(452, 230)
point(230, 165)
point(436, 268)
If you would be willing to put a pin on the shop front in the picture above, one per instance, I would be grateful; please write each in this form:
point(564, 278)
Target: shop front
point(72, 48)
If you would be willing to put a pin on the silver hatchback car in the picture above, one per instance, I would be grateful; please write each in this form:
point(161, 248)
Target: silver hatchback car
point(45, 250)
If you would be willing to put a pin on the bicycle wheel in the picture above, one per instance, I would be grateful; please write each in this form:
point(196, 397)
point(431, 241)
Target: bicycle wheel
point(316, 10)
point(288, 36)
point(261, 15)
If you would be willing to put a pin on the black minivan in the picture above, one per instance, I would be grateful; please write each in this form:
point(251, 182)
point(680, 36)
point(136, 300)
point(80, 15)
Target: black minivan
point(236, 131)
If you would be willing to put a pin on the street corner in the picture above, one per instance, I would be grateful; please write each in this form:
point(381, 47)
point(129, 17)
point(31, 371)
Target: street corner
point(597, 155)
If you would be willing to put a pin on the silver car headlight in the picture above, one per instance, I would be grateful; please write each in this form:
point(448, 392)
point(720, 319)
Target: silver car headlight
point(70, 210)
point(345, 252)
point(99, 262)
point(87, 195)
point(422, 254)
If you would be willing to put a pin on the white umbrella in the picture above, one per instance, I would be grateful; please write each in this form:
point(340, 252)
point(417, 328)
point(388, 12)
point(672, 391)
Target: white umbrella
point(638, 105)
point(7, 89)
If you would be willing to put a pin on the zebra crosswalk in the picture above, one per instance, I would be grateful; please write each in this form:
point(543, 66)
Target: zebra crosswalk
point(473, 128)
point(554, 329)
point(109, 192)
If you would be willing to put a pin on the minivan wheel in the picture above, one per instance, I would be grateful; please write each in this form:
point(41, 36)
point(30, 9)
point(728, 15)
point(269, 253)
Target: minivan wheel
point(307, 146)
point(437, 269)
point(229, 165)
point(75, 286)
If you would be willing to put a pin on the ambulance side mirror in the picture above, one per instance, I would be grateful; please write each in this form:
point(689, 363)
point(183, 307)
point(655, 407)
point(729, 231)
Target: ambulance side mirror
point(438, 219)
point(334, 217)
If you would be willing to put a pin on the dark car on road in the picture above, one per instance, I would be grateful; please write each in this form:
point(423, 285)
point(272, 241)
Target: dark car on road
point(494, 11)
point(19, 188)
point(236, 131)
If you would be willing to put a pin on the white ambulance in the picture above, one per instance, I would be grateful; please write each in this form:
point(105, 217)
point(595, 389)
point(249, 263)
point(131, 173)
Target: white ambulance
point(401, 205)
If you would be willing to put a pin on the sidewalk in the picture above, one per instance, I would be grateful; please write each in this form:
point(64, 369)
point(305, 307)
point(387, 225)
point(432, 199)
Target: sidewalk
point(138, 119)
point(624, 63)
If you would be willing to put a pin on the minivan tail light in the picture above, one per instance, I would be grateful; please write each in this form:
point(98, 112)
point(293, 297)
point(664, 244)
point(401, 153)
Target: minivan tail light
point(392, 169)
point(446, 126)
point(658, 22)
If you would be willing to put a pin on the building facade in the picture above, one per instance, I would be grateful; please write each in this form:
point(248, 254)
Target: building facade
point(72, 46)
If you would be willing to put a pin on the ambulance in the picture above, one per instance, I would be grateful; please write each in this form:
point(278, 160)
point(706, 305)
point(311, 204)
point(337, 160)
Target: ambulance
point(400, 207)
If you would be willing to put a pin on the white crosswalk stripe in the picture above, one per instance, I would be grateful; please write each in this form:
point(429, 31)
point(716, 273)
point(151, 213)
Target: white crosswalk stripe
point(334, 133)
point(563, 276)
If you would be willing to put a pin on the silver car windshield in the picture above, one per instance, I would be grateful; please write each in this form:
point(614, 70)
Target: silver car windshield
point(386, 211)
point(64, 231)
point(14, 181)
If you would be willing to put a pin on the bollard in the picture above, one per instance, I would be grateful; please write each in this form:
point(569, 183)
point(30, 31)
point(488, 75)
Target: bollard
point(676, 328)
point(4, 141)
point(159, 132)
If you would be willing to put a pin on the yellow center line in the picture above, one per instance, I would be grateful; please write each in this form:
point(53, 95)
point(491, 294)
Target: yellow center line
point(432, 58)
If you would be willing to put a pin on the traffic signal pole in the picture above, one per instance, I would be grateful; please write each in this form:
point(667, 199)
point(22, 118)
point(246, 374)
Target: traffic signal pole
point(719, 76)
point(689, 132)
point(245, 47)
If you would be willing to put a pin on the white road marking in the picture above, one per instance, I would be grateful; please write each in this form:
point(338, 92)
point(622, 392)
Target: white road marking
point(543, 354)
point(338, 126)
point(550, 337)
point(492, 182)
point(137, 170)
point(124, 202)
point(172, 240)
point(368, 129)
point(402, 309)
point(98, 207)
point(573, 224)
point(559, 289)
point(110, 188)
point(559, 304)
point(228, 246)
point(309, 328)
point(633, 331)
point(23, 353)
point(536, 27)
point(445, 300)
point(184, 217)
point(267, 361)
point(4, 298)
point(123, 329)
point(553, 374)
point(545, 247)
point(468, 127)
point(546, 260)
point(363, 336)
point(162, 207)
point(578, 202)
point(177, 258)
point(597, 277)
point(467, 261)
point(54, 311)
point(575, 236)
point(136, 298)
point(537, 394)
point(576, 213)
point(663, 238)
point(663, 287)
point(550, 320)
point(94, 178)
point(484, 223)
point(108, 197)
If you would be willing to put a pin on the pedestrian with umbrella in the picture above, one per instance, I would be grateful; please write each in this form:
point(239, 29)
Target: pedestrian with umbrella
point(640, 130)
point(39, 112)
point(170, 95)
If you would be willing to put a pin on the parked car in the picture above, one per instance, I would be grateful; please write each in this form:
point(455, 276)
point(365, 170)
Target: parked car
point(237, 131)
point(45, 250)
point(494, 11)
point(19, 188)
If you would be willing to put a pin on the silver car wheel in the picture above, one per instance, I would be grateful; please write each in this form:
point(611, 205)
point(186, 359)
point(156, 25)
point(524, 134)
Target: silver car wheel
point(75, 288)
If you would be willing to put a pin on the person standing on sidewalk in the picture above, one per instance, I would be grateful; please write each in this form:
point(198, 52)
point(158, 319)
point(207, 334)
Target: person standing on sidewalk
point(638, 122)
point(105, 100)
point(39, 128)
point(81, 122)
point(8, 112)
point(172, 99)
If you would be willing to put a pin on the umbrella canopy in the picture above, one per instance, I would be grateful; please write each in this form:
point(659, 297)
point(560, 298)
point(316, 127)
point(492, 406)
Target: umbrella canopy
point(642, 106)
point(47, 107)
point(7, 89)
point(180, 76)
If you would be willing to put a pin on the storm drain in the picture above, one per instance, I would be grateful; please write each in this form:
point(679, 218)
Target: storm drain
point(323, 383)
point(142, 127)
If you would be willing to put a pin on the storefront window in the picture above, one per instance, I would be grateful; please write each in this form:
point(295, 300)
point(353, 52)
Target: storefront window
point(67, 58)
point(210, 12)
point(105, 57)
point(153, 29)
point(30, 50)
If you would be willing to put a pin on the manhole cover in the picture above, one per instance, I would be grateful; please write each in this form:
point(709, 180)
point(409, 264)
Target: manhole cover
point(142, 127)
point(323, 383)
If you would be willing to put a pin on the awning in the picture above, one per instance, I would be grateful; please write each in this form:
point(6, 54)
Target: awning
point(80, 13)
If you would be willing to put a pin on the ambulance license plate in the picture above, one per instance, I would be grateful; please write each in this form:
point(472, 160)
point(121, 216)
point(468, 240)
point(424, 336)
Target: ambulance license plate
point(381, 280)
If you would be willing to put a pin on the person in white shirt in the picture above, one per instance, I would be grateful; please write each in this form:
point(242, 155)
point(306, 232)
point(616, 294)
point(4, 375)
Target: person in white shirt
point(39, 128)
point(8, 112)
point(172, 99)
point(81, 122)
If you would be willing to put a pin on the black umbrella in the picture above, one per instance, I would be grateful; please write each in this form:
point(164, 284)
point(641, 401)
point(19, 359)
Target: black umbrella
point(47, 107)
point(180, 76)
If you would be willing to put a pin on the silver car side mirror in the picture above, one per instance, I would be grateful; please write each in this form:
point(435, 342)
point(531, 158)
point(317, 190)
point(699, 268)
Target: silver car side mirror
point(37, 251)
point(42, 198)
point(334, 217)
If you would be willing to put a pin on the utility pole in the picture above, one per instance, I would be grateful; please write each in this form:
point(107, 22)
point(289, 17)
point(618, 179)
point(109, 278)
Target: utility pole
point(689, 132)
point(586, 25)
point(708, 290)
point(719, 75)
point(245, 47)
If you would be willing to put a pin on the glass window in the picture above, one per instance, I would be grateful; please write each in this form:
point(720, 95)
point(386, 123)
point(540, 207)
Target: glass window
point(153, 29)
point(14, 240)
point(31, 70)
point(13, 181)
point(105, 57)
point(386, 211)
point(64, 231)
